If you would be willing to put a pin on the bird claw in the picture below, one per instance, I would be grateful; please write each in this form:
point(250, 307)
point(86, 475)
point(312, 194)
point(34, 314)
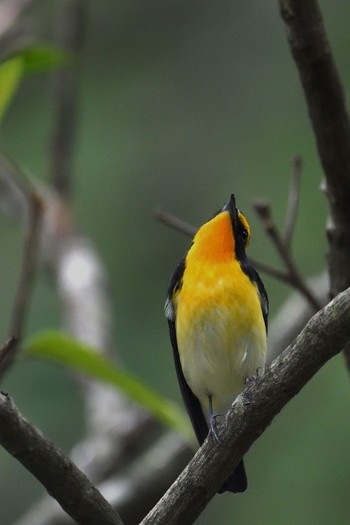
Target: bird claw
point(254, 377)
point(212, 429)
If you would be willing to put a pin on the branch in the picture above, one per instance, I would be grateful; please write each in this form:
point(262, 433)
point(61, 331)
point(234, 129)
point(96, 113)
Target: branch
point(184, 227)
point(327, 109)
point(252, 412)
point(283, 245)
point(330, 120)
point(175, 223)
point(62, 479)
point(70, 32)
point(264, 212)
point(29, 262)
point(132, 493)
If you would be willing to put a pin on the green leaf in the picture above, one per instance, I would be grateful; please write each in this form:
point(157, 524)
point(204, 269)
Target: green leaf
point(33, 59)
point(62, 349)
point(42, 57)
point(11, 73)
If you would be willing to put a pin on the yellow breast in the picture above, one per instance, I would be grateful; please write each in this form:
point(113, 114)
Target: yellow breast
point(220, 329)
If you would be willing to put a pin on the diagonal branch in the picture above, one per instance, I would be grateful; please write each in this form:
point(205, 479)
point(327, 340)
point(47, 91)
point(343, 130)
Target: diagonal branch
point(330, 120)
point(188, 229)
point(263, 210)
point(289, 276)
point(29, 259)
point(175, 223)
point(252, 412)
point(327, 109)
point(61, 478)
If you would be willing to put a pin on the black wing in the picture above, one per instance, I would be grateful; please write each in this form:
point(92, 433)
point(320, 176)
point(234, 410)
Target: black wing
point(248, 269)
point(264, 300)
point(191, 402)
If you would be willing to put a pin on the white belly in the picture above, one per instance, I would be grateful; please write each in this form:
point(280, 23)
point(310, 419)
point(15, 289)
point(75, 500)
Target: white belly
point(218, 355)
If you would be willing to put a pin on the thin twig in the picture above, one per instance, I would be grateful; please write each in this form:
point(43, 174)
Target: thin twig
point(70, 31)
point(175, 223)
point(280, 275)
point(291, 276)
point(61, 478)
point(293, 200)
point(188, 229)
point(29, 260)
point(7, 348)
point(263, 211)
point(28, 268)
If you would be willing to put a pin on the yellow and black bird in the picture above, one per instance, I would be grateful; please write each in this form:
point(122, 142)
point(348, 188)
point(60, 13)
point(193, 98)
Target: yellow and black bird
point(217, 310)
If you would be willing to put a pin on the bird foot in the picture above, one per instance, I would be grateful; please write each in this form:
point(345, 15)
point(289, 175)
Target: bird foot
point(254, 377)
point(212, 429)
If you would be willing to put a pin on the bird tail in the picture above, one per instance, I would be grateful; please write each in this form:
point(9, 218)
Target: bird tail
point(237, 482)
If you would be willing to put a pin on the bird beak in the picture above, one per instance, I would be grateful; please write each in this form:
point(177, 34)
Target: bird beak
point(230, 206)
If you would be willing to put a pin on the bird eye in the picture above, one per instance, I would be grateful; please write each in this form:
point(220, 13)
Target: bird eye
point(244, 235)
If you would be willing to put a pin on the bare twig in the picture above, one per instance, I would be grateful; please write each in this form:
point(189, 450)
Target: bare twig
point(61, 478)
point(175, 223)
point(28, 268)
point(29, 260)
point(252, 412)
point(6, 349)
point(291, 276)
point(280, 275)
point(327, 109)
point(263, 210)
point(16, 192)
point(293, 200)
point(70, 32)
point(184, 227)
point(331, 124)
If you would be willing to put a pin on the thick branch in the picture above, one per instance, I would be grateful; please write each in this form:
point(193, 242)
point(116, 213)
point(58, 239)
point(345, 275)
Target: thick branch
point(134, 492)
point(323, 337)
point(329, 117)
point(62, 479)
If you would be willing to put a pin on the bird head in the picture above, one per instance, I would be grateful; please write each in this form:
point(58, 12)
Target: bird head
point(223, 237)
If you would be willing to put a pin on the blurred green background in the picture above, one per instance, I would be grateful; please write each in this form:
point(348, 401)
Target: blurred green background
point(182, 103)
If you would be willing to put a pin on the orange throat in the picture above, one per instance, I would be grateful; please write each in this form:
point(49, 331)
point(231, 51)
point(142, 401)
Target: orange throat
point(214, 241)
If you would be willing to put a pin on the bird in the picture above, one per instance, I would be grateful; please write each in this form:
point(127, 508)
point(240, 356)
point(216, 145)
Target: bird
point(217, 311)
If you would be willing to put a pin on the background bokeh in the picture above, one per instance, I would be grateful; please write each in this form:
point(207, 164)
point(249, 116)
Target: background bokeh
point(182, 103)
